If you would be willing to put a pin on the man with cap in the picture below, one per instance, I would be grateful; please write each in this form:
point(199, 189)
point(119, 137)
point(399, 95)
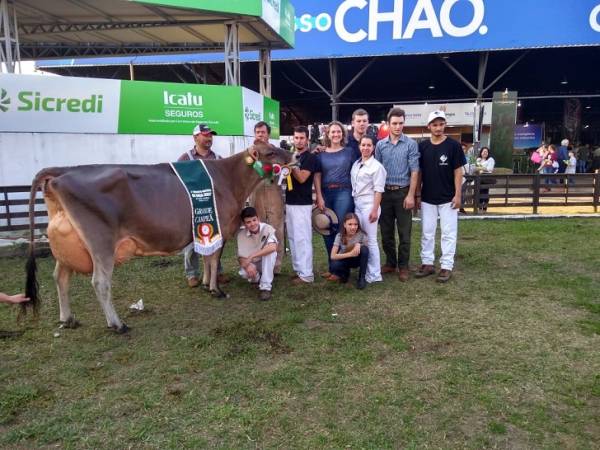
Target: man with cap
point(202, 149)
point(268, 199)
point(399, 155)
point(439, 194)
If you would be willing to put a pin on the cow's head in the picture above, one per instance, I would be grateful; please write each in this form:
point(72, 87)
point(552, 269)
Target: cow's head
point(269, 154)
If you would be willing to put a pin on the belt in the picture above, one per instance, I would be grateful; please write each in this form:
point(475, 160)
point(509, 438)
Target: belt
point(337, 186)
point(394, 187)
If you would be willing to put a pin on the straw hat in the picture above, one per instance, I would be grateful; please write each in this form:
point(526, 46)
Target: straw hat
point(323, 220)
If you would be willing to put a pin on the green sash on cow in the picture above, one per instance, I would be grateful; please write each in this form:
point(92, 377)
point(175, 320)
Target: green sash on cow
point(205, 216)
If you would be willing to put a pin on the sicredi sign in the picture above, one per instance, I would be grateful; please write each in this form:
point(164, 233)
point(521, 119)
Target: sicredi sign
point(30, 103)
point(52, 104)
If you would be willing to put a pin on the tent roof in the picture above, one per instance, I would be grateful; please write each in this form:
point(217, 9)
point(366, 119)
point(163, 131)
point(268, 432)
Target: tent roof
point(83, 28)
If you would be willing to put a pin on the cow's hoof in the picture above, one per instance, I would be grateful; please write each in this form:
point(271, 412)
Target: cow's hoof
point(71, 323)
point(123, 329)
point(120, 330)
point(219, 294)
point(205, 287)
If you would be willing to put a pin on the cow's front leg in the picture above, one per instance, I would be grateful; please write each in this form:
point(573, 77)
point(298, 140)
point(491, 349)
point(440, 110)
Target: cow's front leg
point(215, 290)
point(62, 278)
point(101, 280)
point(206, 272)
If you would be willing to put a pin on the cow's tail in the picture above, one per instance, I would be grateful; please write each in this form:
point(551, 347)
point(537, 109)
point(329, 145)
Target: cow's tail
point(31, 284)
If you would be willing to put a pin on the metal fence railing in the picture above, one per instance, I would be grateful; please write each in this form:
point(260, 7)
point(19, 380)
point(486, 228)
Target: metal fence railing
point(532, 190)
point(497, 190)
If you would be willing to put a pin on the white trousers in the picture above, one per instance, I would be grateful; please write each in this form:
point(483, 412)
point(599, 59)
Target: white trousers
point(298, 220)
point(449, 226)
point(264, 277)
point(363, 206)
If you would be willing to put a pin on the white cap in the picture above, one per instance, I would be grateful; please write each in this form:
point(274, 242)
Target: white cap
point(437, 114)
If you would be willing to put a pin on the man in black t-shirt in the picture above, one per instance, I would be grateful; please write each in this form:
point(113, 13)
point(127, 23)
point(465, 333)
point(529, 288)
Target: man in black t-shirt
point(441, 162)
point(298, 209)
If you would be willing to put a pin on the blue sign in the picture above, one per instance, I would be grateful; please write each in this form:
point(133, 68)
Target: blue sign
point(338, 28)
point(343, 28)
point(528, 136)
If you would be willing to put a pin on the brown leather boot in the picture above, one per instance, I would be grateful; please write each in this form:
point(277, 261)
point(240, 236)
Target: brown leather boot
point(444, 276)
point(425, 270)
point(403, 274)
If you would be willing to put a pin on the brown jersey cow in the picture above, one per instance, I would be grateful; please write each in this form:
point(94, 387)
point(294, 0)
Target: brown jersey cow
point(103, 215)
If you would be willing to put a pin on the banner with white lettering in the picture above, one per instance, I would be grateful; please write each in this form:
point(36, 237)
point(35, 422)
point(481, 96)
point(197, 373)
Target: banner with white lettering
point(456, 113)
point(33, 103)
point(253, 107)
point(344, 28)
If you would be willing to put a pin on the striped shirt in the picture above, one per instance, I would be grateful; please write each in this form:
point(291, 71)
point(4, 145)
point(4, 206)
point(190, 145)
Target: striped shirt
point(399, 160)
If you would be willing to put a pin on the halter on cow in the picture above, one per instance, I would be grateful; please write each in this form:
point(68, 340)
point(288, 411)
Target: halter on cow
point(103, 215)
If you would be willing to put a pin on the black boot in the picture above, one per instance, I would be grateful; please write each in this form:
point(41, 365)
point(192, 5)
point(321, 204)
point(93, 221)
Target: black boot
point(361, 283)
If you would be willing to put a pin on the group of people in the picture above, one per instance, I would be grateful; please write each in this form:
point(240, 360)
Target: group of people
point(359, 182)
point(548, 159)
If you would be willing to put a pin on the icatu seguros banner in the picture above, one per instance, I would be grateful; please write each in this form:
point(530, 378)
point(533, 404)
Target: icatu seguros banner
point(33, 103)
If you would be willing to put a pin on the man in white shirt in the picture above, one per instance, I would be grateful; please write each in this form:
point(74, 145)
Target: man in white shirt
point(257, 251)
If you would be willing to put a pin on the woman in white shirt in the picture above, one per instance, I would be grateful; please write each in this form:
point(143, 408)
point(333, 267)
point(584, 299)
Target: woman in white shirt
point(485, 164)
point(368, 183)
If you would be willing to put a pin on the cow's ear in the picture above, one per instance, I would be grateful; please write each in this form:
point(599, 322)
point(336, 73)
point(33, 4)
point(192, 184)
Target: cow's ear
point(253, 151)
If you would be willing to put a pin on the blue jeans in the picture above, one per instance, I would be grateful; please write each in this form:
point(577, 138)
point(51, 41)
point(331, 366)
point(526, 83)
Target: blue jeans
point(548, 170)
point(341, 202)
point(191, 262)
point(581, 166)
point(341, 267)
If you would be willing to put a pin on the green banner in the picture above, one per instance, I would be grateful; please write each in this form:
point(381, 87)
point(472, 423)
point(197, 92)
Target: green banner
point(30, 103)
point(271, 115)
point(278, 14)
point(205, 216)
point(175, 108)
point(504, 117)
point(245, 7)
point(287, 28)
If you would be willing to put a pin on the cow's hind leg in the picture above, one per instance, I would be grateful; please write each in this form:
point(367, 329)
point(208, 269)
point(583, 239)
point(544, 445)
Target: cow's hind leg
point(102, 281)
point(62, 277)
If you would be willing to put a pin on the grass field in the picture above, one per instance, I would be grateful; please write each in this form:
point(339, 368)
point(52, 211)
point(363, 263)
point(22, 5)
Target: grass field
point(506, 355)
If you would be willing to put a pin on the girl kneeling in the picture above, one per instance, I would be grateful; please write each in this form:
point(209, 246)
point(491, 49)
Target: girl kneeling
point(349, 251)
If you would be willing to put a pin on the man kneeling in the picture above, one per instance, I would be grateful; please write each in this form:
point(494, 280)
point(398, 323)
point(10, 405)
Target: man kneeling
point(257, 251)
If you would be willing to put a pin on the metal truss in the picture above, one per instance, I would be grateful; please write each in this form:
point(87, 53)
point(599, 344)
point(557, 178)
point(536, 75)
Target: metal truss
point(70, 27)
point(68, 50)
point(9, 37)
point(265, 72)
point(232, 54)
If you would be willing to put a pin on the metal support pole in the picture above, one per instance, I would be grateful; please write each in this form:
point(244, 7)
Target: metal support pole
point(477, 116)
point(264, 66)
point(131, 72)
point(9, 37)
point(232, 54)
point(334, 89)
point(515, 62)
point(458, 74)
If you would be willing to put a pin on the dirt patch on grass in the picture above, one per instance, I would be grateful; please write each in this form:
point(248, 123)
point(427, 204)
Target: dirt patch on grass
point(241, 335)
